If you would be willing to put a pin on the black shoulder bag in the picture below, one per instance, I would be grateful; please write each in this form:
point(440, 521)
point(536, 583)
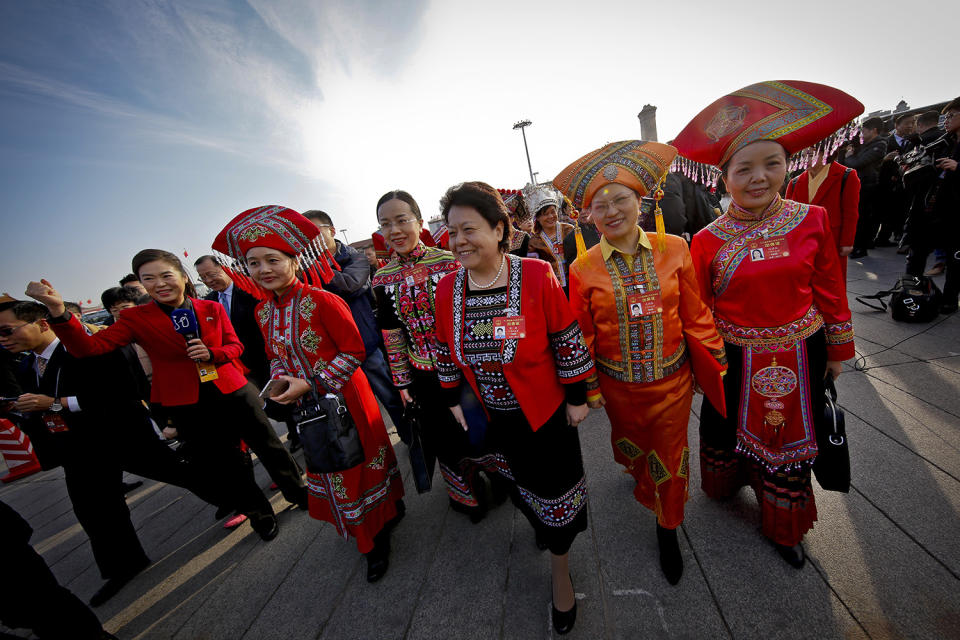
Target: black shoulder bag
point(328, 433)
point(832, 465)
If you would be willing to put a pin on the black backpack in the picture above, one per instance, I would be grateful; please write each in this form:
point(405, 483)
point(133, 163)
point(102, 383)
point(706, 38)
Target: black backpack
point(912, 299)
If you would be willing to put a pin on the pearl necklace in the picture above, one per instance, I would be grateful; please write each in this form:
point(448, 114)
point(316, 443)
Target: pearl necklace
point(477, 285)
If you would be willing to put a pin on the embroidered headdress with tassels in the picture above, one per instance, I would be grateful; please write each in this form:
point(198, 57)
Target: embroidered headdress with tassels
point(536, 198)
point(636, 164)
point(277, 228)
point(793, 113)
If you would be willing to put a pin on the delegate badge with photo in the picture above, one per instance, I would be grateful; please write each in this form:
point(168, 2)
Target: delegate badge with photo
point(415, 276)
point(768, 249)
point(54, 422)
point(644, 304)
point(509, 328)
point(207, 371)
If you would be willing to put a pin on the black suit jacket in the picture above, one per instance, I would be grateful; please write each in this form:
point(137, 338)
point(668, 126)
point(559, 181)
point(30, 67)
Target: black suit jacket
point(244, 321)
point(110, 408)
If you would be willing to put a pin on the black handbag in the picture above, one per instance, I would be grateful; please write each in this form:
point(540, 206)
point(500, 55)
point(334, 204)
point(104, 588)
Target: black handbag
point(832, 465)
point(328, 434)
point(422, 459)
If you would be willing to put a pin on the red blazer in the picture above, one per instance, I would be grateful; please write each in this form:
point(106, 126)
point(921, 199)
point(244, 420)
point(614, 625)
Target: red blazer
point(842, 210)
point(175, 378)
point(536, 367)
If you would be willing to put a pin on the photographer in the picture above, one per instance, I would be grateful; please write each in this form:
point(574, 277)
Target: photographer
point(938, 221)
point(866, 160)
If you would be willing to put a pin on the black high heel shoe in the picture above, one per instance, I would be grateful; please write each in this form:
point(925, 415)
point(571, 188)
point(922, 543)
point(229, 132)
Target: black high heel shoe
point(795, 556)
point(563, 621)
point(671, 561)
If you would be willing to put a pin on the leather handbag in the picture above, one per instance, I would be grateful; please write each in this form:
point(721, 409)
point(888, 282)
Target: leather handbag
point(422, 460)
point(328, 434)
point(832, 465)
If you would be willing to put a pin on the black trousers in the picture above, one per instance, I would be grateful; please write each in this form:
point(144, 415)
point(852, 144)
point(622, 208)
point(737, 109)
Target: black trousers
point(211, 438)
point(244, 409)
point(868, 220)
point(442, 435)
point(93, 473)
point(35, 600)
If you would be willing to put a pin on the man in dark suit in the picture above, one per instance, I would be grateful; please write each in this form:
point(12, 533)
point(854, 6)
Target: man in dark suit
point(85, 414)
point(240, 307)
point(866, 160)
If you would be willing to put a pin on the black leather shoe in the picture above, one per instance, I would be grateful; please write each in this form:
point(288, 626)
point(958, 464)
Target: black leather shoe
point(563, 621)
point(378, 560)
point(303, 501)
point(222, 512)
point(795, 555)
point(884, 243)
point(858, 253)
point(113, 586)
point(671, 560)
point(476, 514)
point(130, 486)
point(268, 528)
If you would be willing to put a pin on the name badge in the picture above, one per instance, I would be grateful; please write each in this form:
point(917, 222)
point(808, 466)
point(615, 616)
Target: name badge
point(207, 371)
point(768, 249)
point(644, 304)
point(509, 328)
point(416, 276)
point(54, 422)
point(280, 349)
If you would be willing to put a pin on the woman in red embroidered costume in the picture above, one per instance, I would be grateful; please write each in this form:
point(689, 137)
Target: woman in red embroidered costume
point(546, 241)
point(769, 269)
point(406, 312)
point(503, 323)
point(638, 303)
point(314, 344)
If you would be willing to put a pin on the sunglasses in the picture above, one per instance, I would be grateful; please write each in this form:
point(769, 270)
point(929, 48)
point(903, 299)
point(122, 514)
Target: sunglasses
point(6, 332)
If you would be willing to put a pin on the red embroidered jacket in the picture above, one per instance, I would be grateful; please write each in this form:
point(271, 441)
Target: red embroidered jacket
point(757, 298)
point(536, 367)
point(175, 378)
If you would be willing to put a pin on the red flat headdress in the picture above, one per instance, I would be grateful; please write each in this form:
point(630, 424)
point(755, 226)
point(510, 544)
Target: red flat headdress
point(794, 113)
point(279, 228)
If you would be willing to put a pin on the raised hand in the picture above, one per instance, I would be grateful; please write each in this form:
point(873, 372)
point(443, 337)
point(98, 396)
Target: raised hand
point(44, 293)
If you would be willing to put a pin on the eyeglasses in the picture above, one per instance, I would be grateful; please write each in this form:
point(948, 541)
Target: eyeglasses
point(602, 208)
point(385, 227)
point(6, 332)
point(951, 115)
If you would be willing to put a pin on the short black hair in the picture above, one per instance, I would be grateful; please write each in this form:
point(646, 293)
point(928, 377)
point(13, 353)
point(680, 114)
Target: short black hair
point(928, 119)
point(953, 105)
point(399, 194)
point(319, 216)
point(486, 200)
point(25, 310)
point(214, 259)
point(903, 116)
point(873, 123)
point(113, 295)
point(152, 255)
point(73, 307)
point(128, 279)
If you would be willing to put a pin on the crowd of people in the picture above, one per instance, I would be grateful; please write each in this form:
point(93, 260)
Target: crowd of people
point(617, 287)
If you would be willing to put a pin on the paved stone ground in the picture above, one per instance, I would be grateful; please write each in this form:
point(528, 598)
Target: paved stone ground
point(885, 562)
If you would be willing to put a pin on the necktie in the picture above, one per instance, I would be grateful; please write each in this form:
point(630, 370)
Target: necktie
point(41, 365)
point(225, 301)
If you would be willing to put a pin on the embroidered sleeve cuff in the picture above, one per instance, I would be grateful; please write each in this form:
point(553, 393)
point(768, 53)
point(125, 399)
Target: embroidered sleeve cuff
point(570, 354)
point(336, 373)
point(396, 345)
point(720, 355)
point(447, 370)
point(839, 333)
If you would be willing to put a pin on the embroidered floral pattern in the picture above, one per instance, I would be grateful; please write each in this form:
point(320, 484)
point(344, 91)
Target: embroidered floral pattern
point(378, 460)
point(839, 333)
point(309, 340)
point(307, 307)
point(773, 338)
point(557, 512)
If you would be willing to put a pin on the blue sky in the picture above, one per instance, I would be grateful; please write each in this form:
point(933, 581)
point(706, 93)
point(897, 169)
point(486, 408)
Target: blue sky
point(150, 123)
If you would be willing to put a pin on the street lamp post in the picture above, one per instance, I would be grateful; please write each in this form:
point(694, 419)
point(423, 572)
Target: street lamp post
point(344, 232)
point(523, 124)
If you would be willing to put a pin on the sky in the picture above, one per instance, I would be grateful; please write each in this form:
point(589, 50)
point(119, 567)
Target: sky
point(132, 124)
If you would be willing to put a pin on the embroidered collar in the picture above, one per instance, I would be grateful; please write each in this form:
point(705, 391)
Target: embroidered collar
point(289, 294)
point(418, 252)
point(607, 249)
point(737, 212)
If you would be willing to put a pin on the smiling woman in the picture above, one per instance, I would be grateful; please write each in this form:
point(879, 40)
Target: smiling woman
point(504, 326)
point(770, 271)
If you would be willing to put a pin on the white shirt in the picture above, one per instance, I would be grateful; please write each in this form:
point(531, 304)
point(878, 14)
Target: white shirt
point(71, 401)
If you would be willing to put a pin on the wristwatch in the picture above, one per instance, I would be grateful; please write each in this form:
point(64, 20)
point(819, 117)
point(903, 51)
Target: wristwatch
point(56, 406)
